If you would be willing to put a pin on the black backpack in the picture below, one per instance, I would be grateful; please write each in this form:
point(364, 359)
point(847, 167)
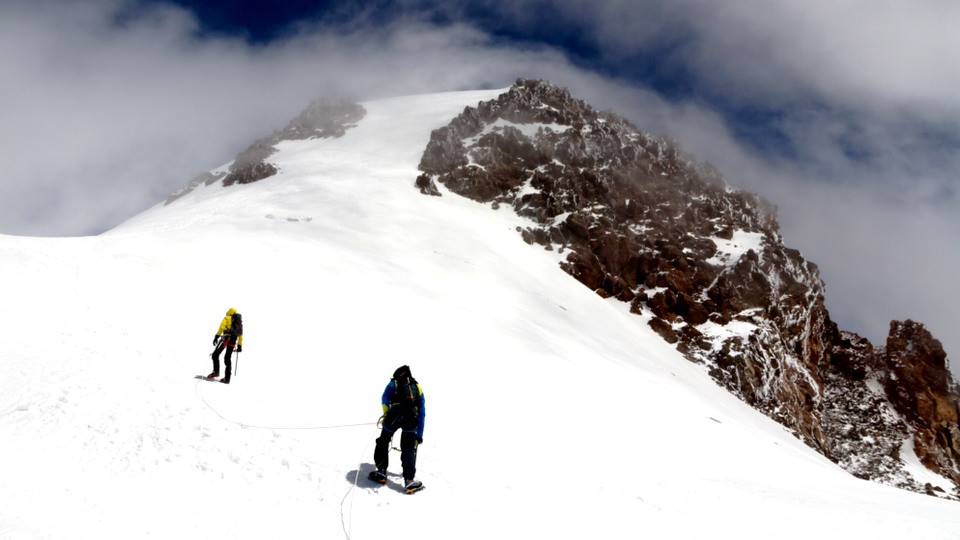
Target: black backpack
point(236, 325)
point(407, 391)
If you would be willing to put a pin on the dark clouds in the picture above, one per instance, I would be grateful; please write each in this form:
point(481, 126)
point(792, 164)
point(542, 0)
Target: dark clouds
point(844, 114)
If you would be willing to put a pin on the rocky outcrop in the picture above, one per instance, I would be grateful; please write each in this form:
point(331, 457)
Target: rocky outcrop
point(886, 402)
point(202, 179)
point(323, 119)
point(919, 385)
point(866, 434)
point(635, 218)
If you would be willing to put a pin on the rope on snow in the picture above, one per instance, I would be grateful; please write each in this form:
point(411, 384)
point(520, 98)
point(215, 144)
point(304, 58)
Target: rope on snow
point(245, 425)
point(348, 524)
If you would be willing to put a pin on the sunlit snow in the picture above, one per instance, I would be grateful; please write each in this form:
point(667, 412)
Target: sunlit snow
point(552, 413)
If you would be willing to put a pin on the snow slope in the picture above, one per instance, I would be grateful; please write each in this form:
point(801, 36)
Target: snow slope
point(552, 413)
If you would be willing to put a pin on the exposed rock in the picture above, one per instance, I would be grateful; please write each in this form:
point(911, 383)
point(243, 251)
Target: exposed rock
point(205, 178)
point(641, 221)
point(427, 186)
point(866, 433)
point(323, 119)
point(922, 390)
point(251, 172)
point(664, 328)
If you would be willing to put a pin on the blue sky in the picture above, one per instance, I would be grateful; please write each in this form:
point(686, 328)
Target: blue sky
point(844, 114)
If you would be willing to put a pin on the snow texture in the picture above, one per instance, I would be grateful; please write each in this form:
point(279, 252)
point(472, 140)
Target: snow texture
point(552, 413)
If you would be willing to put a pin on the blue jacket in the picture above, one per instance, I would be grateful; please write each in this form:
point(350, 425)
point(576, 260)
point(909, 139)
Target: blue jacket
point(389, 399)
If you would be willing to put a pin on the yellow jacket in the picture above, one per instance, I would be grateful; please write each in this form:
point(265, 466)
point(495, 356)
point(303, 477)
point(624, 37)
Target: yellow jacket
point(227, 323)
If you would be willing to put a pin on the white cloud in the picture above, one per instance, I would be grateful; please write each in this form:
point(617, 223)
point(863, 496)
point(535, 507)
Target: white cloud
point(860, 53)
point(101, 119)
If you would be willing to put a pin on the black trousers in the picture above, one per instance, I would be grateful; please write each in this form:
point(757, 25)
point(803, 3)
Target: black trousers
point(226, 343)
point(405, 420)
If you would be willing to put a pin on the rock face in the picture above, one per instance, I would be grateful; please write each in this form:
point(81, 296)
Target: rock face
point(322, 119)
point(867, 434)
point(920, 387)
point(638, 220)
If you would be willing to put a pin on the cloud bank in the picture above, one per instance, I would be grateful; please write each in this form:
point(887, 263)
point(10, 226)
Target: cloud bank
point(845, 115)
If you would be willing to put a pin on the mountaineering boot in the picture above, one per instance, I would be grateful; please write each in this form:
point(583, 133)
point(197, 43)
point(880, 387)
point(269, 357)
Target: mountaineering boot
point(379, 476)
point(225, 380)
point(413, 486)
point(212, 375)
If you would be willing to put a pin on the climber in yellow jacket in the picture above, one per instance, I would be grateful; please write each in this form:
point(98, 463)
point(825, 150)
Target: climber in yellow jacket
point(228, 336)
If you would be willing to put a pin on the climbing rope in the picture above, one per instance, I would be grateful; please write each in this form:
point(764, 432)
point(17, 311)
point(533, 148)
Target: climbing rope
point(245, 425)
point(348, 523)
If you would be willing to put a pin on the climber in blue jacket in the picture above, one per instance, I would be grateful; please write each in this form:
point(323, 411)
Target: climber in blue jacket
point(404, 408)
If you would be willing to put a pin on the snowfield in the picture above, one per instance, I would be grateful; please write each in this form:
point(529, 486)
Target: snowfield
point(551, 413)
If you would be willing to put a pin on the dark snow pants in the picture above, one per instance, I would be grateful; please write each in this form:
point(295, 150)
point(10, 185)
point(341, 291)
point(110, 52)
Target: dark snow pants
point(226, 343)
point(405, 420)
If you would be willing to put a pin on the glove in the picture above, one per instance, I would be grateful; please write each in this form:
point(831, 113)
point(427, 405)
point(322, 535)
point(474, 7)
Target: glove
point(419, 441)
point(215, 338)
point(239, 348)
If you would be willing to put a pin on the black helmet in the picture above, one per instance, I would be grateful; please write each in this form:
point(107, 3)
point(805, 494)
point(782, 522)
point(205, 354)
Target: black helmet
point(402, 371)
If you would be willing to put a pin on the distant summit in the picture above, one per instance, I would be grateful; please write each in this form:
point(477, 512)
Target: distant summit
point(704, 263)
point(323, 119)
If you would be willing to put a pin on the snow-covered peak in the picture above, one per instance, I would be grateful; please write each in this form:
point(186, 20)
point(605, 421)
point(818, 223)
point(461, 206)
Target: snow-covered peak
point(388, 138)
